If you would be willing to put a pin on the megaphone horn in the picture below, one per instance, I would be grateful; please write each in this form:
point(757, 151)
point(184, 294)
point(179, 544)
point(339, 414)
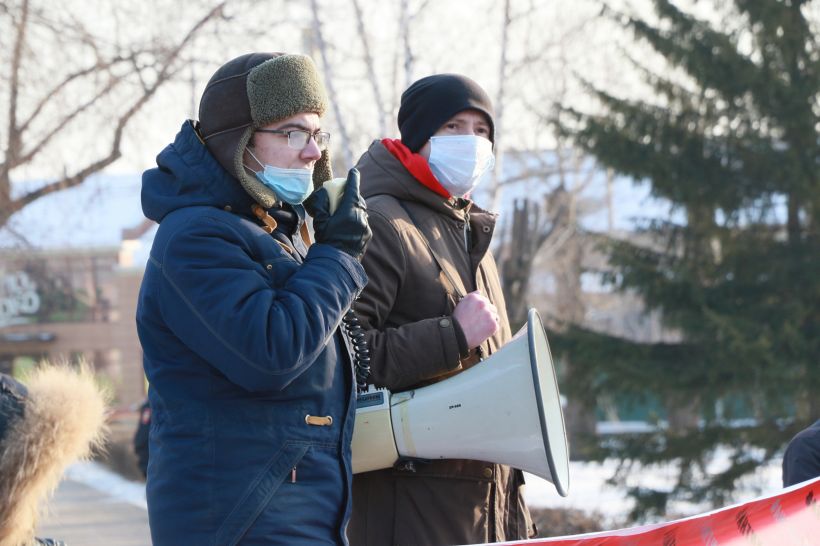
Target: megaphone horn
point(506, 409)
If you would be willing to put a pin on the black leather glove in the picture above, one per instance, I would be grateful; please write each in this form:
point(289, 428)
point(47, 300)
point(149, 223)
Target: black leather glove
point(347, 228)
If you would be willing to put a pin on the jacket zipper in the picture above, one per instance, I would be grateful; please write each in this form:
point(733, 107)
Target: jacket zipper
point(467, 234)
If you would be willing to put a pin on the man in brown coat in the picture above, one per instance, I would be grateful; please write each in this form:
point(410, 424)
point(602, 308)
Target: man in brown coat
point(432, 308)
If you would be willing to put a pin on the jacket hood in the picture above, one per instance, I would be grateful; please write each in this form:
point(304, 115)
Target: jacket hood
point(188, 175)
point(383, 174)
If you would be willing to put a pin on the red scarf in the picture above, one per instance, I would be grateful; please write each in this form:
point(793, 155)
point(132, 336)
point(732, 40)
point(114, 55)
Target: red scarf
point(416, 165)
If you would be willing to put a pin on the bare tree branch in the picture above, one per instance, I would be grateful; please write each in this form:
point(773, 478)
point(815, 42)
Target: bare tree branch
point(422, 7)
point(371, 69)
point(322, 45)
point(65, 82)
point(13, 144)
point(404, 33)
point(497, 189)
point(63, 121)
point(166, 71)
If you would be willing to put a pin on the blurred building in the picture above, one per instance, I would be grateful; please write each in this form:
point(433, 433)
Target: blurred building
point(71, 265)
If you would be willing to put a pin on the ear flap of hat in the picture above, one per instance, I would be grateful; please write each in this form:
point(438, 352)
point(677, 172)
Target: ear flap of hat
point(224, 109)
point(322, 171)
point(256, 189)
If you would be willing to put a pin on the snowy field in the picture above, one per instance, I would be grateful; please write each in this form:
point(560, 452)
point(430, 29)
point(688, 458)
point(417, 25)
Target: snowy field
point(104, 480)
point(588, 490)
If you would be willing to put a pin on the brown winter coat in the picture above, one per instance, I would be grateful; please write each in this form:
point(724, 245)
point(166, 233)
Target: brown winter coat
point(406, 310)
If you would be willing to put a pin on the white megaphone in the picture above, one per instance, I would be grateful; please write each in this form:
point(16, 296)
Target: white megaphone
point(505, 409)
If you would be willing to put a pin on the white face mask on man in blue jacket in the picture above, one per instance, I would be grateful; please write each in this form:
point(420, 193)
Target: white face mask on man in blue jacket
point(291, 185)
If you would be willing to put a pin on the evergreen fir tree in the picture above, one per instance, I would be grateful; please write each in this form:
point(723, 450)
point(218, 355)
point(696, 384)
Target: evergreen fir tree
point(731, 140)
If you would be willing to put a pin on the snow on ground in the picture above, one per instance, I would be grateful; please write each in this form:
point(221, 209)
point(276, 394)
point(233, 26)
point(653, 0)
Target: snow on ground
point(588, 490)
point(104, 480)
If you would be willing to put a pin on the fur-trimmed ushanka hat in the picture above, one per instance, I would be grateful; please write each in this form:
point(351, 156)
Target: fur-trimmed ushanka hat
point(250, 92)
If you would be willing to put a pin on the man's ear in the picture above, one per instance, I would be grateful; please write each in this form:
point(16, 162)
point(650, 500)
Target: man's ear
point(424, 151)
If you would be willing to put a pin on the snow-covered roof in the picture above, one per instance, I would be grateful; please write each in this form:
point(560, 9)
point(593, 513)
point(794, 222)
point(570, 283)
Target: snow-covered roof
point(90, 215)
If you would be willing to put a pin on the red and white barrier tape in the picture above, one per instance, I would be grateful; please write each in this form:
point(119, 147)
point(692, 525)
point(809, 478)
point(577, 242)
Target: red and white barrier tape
point(790, 517)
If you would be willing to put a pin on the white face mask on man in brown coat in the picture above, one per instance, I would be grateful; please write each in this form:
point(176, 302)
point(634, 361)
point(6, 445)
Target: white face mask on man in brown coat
point(432, 308)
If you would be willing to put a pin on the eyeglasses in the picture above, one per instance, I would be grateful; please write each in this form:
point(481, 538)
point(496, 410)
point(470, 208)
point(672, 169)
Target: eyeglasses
point(299, 138)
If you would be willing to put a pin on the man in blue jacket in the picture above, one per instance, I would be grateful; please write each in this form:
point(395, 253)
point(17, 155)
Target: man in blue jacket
point(252, 392)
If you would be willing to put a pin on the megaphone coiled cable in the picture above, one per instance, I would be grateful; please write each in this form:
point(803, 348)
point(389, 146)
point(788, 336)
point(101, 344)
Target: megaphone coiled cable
point(361, 352)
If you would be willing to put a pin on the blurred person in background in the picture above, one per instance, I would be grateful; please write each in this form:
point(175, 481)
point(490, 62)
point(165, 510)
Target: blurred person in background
point(801, 461)
point(141, 437)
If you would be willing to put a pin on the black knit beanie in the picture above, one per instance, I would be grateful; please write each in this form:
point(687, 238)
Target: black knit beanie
point(430, 102)
point(250, 92)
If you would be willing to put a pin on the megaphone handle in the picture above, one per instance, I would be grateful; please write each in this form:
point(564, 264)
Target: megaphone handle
point(408, 464)
point(361, 356)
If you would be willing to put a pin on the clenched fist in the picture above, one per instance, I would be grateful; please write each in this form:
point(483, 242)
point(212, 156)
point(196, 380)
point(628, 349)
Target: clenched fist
point(478, 318)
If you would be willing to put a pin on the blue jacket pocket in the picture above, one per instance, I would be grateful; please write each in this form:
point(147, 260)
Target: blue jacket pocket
point(259, 493)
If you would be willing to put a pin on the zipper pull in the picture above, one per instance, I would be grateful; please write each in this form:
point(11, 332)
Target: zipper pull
point(467, 234)
point(293, 475)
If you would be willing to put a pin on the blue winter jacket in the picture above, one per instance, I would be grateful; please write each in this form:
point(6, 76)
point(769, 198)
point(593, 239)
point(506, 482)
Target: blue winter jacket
point(251, 385)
